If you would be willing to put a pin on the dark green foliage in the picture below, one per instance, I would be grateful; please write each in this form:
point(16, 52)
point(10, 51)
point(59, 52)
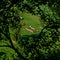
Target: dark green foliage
point(9, 18)
point(44, 46)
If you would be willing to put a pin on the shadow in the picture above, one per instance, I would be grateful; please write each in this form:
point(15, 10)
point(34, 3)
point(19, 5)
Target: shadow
point(26, 37)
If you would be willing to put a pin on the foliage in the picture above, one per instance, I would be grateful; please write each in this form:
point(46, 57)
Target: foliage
point(10, 18)
point(45, 46)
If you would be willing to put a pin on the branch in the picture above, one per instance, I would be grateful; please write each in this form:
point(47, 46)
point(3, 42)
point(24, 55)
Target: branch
point(50, 25)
